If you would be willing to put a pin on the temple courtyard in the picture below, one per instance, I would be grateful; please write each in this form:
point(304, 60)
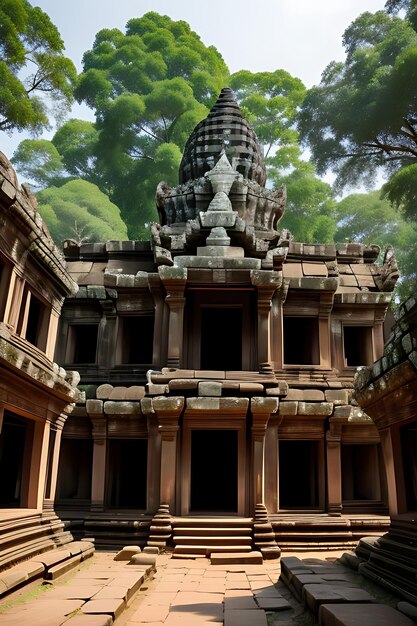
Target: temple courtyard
point(312, 588)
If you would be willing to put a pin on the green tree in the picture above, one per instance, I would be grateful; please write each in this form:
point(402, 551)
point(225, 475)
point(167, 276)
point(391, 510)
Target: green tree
point(362, 117)
point(271, 101)
point(39, 162)
point(32, 65)
point(367, 218)
point(309, 214)
point(79, 210)
point(149, 87)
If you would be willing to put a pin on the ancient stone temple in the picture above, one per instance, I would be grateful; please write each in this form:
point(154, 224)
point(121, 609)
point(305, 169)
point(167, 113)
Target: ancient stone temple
point(217, 363)
point(36, 395)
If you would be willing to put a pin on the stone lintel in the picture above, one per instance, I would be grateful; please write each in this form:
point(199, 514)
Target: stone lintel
point(315, 408)
point(314, 283)
point(122, 408)
point(222, 405)
point(209, 262)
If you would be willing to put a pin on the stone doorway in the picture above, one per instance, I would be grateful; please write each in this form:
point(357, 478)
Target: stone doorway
point(127, 473)
point(221, 338)
point(214, 471)
point(16, 439)
point(299, 474)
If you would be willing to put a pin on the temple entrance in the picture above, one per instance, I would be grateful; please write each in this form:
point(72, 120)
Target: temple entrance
point(15, 445)
point(214, 471)
point(127, 473)
point(221, 338)
point(298, 475)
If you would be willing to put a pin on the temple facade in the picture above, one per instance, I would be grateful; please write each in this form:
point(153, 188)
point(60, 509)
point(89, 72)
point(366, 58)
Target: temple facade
point(36, 394)
point(217, 365)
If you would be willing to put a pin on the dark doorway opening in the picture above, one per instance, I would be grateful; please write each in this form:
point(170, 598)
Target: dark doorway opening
point(301, 341)
point(15, 440)
point(357, 343)
point(360, 472)
point(409, 454)
point(127, 473)
point(221, 338)
point(75, 468)
point(214, 470)
point(298, 475)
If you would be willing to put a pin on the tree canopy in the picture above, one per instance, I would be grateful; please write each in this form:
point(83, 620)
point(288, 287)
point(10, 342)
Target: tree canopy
point(363, 114)
point(148, 87)
point(79, 210)
point(32, 65)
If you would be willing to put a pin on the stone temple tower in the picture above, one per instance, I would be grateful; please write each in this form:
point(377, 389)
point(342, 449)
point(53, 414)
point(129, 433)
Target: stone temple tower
point(218, 363)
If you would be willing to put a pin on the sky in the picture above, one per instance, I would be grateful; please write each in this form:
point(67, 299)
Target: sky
point(300, 36)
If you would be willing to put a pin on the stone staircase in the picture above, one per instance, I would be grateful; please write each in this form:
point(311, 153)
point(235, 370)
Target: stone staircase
point(202, 536)
point(23, 537)
point(309, 532)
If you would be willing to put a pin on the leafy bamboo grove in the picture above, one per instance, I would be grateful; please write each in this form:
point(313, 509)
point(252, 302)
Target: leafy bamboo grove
point(151, 84)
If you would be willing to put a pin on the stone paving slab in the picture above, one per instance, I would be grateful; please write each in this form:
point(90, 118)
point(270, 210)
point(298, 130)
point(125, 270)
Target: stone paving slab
point(354, 614)
point(109, 606)
point(90, 620)
point(237, 617)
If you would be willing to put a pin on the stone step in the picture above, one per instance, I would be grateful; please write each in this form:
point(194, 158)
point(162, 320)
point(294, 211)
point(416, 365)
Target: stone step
point(205, 549)
point(244, 558)
point(214, 530)
point(212, 540)
point(212, 522)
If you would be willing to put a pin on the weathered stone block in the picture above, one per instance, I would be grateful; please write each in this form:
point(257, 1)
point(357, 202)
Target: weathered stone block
point(143, 559)
point(315, 408)
point(126, 553)
point(94, 407)
point(288, 408)
point(264, 405)
point(337, 396)
point(122, 408)
point(209, 388)
point(136, 392)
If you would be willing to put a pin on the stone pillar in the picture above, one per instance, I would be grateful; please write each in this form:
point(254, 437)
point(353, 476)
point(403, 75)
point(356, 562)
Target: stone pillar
point(174, 280)
point(38, 464)
point(168, 411)
point(334, 469)
point(98, 479)
point(261, 409)
point(325, 308)
point(266, 282)
point(160, 333)
point(388, 450)
point(52, 470)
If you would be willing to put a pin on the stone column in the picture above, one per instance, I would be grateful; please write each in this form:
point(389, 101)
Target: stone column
point(106, 340)
point(266, 282)
point(334, 469)
point(261, 409)
point(52, 470)
point(38, 464)
point(174, 280)
point(98, 479)
point(168, 411)
point(160, 333)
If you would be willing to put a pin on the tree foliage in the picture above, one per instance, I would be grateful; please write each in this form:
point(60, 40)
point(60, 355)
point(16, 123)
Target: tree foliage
point(366, 218)
point(363, 114)
point(79, 210)
point(149, 87)
point(32, 65)
point(309, 214)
